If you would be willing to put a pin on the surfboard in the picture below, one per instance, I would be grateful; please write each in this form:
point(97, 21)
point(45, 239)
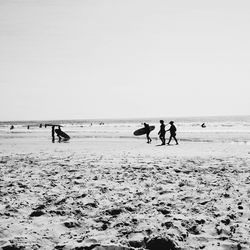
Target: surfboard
point(142, 131)
point(62, 134)
point(50, 125)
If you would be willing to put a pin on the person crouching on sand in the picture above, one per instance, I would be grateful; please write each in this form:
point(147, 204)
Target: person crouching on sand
point(147, 129)
point(162, 132)
point(172, 131)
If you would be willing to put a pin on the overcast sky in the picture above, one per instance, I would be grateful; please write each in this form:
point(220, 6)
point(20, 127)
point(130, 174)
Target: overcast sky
point(78, 59)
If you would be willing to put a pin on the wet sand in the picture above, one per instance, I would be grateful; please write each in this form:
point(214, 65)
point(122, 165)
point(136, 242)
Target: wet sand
point(124, 194)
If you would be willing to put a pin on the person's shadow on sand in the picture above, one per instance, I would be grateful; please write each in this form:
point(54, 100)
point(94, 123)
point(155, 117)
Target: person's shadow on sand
point(159, 145)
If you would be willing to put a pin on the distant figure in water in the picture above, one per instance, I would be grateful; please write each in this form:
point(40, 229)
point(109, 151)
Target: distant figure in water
point(146, 126)
point(12, 127)
point(162, 132)
point(40, 126)
point(203, 125)
point(28, 127)
point(172, 131)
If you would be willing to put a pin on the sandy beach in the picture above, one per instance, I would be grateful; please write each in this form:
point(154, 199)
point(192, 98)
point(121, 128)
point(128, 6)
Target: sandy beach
point(115, 194)
point(83, 83)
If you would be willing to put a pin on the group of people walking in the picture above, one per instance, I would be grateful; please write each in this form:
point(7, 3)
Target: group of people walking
point(162, 132)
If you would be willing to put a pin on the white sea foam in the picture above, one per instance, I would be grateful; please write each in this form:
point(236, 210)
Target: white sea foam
point(218, 129)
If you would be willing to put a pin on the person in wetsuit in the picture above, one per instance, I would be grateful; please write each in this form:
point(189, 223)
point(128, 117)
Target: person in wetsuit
point(172, 131)
point(61, 135)
point(203, 125)
point(58, 132)
point(147, 132)
point(53, 133)
point(162, 132)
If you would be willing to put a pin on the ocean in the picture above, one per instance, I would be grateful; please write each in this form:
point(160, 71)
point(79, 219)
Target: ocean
point(230, 129)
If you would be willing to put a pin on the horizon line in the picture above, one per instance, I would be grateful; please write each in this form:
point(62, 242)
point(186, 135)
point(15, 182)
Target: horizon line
point(124, 118)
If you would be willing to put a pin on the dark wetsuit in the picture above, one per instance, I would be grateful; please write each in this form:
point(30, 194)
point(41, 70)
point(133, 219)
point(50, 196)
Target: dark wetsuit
point(172, 131)
point(162, 133)
point(53, 133)
point(147, 132)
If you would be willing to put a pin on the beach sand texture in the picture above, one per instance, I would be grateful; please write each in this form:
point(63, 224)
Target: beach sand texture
point(118, 194)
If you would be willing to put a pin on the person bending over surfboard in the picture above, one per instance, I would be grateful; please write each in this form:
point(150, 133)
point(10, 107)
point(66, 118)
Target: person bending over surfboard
point(172, 131)
point(162, 132)
point(61, 135)
point(147, 129)
point(58, 131)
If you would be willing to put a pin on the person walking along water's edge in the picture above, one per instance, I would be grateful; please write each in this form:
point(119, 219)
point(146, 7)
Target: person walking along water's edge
point(147, 128)
point(162, 132)
point(172, 131)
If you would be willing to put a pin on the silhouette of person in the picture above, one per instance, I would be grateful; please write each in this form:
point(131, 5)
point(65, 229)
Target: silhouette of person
point(203, 125)
point(53, 133)
point(12, 127)
point(162, 132)
point(147, 132)
point(172, 131)
point(58, 131)
point(61, 135)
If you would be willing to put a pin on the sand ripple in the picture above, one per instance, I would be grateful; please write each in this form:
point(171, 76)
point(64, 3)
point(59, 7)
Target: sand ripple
point(118, 203)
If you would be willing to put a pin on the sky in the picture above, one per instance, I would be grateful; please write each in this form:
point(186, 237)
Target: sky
point(86, 59)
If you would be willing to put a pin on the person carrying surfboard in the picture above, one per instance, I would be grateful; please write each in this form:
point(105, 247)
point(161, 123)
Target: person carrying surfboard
point(172, 131)
point(162, 132)
point(147, 129)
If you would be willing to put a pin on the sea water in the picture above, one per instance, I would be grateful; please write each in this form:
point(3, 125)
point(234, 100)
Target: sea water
point(230, 129)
